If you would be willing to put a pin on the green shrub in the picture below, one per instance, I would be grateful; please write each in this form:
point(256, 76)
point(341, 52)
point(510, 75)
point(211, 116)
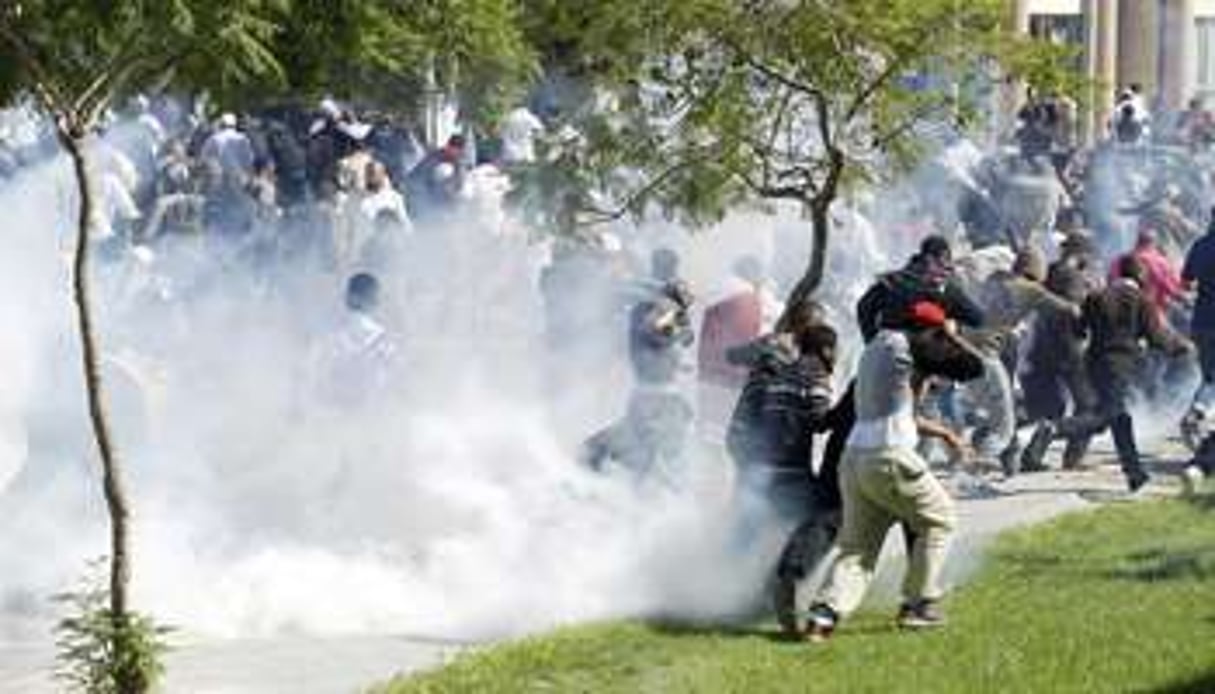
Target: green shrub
point(98, 654)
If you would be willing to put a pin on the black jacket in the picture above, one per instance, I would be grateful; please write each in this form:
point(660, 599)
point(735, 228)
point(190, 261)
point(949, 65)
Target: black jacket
point(888, 302)
point(783, 404)
point(1119, 319)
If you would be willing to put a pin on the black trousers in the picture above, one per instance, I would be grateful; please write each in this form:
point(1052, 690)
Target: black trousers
point(1113, 378)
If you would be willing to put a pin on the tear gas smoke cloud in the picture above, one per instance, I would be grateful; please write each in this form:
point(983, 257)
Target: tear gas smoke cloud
point(452, 508)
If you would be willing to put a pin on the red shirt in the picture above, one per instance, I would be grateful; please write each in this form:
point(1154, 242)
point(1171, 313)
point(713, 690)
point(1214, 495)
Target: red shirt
point(728, 323)
point(1163, 284)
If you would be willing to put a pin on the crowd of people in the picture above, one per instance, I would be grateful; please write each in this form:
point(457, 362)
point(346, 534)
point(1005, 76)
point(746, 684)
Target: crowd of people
point(1050, 290)
point(1054, 324)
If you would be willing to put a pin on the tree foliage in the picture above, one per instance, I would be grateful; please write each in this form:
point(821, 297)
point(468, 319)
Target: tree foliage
point(385, 50)
point(77, 56)
point(717, 103)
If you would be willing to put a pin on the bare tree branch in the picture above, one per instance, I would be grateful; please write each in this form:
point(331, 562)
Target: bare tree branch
point(882, 139)
point(641, 194)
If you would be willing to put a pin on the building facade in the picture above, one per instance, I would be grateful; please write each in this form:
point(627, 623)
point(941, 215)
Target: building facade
point(1167, 47)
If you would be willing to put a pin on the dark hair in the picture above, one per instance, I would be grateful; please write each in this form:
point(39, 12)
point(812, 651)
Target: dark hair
point(936, 247)
point(362, 292)
point(1131, 268)
point(937, 354)
point(806, 321)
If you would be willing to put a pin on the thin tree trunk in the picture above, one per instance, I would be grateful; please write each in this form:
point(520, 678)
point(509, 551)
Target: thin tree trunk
point(820, 225)
point(115, 494)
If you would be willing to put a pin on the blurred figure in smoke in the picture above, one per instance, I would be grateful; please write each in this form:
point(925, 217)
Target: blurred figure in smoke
point(1196, 126)
point(1055, 375)
point(1117, 320)
point(1036, 123)
point(353, 365)
point(518, 131)
point(230, 148)
point(748, 310)
point(783, 404)
point(328, 144)
point(432, 187)
point(1011, 297)
point(382, 197)
point(1131, 123)
point(1199, 272)
point(884, 481)
point(649, 440)
point(1030, 197)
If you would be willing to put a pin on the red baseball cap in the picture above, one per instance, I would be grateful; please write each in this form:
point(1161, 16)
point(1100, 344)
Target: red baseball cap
point(928, 314)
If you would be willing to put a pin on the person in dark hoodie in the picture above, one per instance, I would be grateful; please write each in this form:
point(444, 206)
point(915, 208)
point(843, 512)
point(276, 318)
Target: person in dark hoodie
point(770, 437)
point(1055, 373)
point(1118, 321)
point(927, 277)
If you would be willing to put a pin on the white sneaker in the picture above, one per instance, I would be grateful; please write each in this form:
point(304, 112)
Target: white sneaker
point(1191, 480)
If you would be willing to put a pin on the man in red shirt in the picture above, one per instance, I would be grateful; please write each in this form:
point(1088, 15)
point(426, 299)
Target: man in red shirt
point(1162, 279)
point(739, 318)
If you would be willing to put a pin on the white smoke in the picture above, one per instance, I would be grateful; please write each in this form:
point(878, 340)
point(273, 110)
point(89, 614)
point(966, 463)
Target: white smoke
point(454, 507)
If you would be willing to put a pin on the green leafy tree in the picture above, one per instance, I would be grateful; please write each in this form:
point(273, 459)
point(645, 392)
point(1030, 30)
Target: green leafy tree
point(391, 52)
point(75, 58)
point(721, 103)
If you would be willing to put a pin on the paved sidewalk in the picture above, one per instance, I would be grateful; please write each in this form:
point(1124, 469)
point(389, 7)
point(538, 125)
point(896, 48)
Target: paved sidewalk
point(299, 665)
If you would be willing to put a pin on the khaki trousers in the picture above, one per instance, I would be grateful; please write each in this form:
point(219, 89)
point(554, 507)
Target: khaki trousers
point(881, 487)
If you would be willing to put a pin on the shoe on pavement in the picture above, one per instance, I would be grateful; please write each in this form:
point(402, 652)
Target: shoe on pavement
point(1191, 480)
point(821, 623)
point(1136, 481)
point(921, 614)
point(1035, 451)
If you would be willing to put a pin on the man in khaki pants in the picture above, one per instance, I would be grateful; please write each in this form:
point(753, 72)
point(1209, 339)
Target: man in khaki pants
point(884, 481)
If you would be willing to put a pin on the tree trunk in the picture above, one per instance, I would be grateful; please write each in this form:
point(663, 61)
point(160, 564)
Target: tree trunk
point(115, 494)
point(820, 224)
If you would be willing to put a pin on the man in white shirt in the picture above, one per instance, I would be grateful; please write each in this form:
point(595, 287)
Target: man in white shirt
point(230, 147)
point(518, 131)
point(884, 481)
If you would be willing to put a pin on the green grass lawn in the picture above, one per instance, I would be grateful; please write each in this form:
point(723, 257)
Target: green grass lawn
point(1121, 599)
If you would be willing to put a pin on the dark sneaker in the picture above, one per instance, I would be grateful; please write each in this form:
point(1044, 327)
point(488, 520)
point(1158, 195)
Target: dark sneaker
point(1010, 461)
point(821, 623)
point(922, 614)
point(1136, 480)
point(1035, 451)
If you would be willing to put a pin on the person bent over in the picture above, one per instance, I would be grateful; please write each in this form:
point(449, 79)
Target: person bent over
point(884, 481)
point(771, 437)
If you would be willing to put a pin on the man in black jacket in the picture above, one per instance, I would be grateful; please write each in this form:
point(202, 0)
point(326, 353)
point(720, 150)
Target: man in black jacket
point(1055, 371)
point(1118, 320)
point(928, 276)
